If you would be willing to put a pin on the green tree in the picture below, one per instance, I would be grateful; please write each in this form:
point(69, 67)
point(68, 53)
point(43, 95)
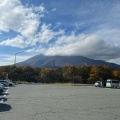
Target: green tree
point(47, 75)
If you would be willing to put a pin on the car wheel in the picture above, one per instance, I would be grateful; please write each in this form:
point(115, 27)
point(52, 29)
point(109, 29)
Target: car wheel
point(1, 91)
point(10, 85)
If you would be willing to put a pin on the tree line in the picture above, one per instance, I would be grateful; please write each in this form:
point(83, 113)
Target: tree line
point(67, 74)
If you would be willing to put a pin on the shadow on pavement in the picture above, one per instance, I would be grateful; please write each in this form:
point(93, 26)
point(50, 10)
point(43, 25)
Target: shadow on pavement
point(1, 94)
point(3, 99)
point(5, 107)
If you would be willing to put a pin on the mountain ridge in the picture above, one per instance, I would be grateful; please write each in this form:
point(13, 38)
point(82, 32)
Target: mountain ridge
point(61, 61)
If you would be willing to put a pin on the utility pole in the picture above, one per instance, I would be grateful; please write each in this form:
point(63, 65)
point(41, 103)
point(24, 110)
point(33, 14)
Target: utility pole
point(16, 55)
point(15, 64)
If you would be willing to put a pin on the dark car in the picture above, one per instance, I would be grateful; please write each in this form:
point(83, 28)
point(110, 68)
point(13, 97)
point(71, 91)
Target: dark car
point(1, 88)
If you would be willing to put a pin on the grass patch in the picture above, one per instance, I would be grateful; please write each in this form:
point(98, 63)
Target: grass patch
point(21, 82)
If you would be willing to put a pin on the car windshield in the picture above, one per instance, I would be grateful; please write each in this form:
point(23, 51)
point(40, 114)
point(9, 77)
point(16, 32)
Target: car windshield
point(115, 81)
point(98, 81)
point(4, 81)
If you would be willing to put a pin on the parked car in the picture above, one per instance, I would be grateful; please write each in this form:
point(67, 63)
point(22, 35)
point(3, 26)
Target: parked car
point(98, 84)
point(11, 84)
point(1, 88)
point(112, 83)
point(6, 83)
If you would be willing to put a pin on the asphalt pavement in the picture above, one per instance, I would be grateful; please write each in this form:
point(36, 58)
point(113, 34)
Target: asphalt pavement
point(49, 102)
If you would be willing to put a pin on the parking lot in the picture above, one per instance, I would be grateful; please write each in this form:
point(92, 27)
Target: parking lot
point(49, 102)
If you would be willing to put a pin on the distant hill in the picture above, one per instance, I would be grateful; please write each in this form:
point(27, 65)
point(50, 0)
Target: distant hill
point(61, 61)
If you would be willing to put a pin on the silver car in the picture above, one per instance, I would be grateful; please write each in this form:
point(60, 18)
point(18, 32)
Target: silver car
point(6, 83)
point(98, 84)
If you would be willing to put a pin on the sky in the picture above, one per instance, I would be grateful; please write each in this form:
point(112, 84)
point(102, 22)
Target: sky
point(89, 28)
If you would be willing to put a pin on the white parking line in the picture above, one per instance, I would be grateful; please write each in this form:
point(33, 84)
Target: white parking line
point(2, 100)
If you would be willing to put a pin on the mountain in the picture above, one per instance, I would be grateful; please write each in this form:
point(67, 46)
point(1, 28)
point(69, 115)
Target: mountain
point(60, 61)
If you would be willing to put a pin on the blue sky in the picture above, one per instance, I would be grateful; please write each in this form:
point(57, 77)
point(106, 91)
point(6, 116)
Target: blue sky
point(89, 28)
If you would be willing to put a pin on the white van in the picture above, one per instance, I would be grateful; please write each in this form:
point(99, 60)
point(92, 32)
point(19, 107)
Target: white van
point(112, 83)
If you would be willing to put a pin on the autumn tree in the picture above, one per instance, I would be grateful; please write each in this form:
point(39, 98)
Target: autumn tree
point(69, 73)
point(73, 74)
point(116, 74)
point(106, 73)
point(94, 74)
point(47, 75)
point(99, 73)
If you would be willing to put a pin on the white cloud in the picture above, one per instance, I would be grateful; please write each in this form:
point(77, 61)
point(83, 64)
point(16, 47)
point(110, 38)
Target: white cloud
point(54, 9)
point(39, 9)
point(37, 50)
point(84, 45)
point(109, 33)
point(115, 60)
point(16, 17)
point(43, 36)
point(46, 34)
point(15, 42)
